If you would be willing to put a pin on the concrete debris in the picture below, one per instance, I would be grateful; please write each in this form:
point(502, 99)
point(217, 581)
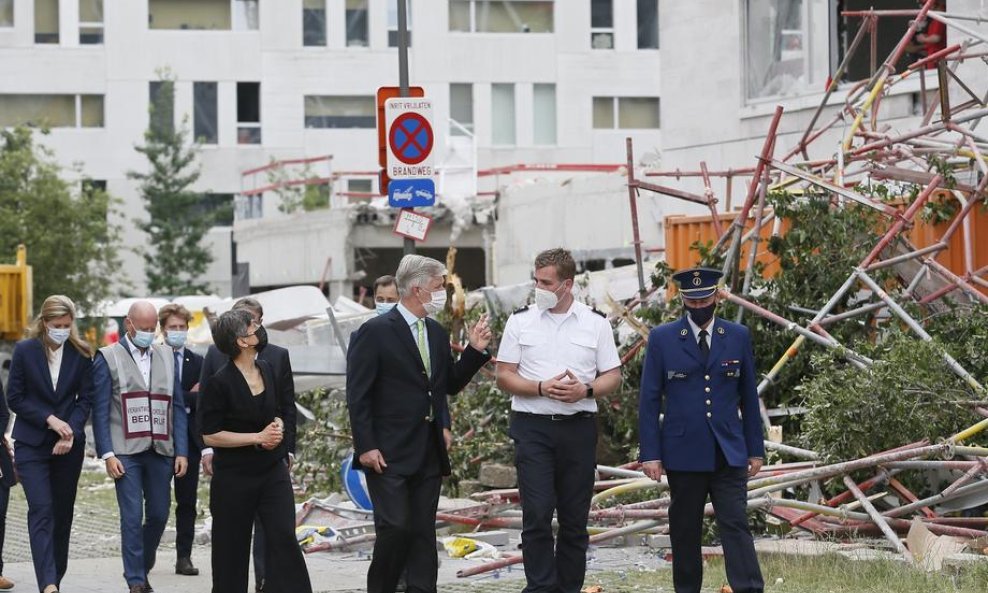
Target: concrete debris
point(497, 475)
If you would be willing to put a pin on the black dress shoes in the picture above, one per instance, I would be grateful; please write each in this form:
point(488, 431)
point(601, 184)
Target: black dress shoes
point(184, 566)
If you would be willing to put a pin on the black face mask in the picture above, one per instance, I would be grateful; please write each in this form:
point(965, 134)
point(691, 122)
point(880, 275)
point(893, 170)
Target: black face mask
point(262, 338)
point(701, 315)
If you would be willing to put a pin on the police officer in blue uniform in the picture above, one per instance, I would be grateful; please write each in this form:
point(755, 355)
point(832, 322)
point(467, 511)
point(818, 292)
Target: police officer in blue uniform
point(699, 373)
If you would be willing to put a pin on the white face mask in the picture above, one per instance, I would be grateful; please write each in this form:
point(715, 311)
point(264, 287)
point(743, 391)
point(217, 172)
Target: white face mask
point(437, 303)
point(58, 335)
point(545, 299)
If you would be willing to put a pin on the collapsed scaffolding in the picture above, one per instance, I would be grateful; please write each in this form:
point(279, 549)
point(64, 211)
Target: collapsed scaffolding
point(866, 150)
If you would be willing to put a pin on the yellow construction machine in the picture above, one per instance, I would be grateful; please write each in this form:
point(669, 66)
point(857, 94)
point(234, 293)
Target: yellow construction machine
point(15, 305)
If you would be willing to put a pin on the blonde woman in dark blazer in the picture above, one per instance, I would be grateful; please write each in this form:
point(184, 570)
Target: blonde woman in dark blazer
point(49, 390)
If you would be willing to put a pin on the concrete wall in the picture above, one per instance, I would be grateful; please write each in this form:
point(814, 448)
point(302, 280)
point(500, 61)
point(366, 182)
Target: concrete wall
point(589, 215)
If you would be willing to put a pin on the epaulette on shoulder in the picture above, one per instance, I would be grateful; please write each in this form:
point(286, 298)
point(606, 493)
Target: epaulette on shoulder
point(521, 310)
point(598, 312)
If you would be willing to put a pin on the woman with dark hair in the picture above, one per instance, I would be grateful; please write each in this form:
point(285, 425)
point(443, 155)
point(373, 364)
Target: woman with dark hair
point(49, 390)
point(238, 414)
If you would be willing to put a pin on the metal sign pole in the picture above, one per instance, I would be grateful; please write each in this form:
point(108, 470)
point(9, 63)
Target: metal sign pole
point(403, 75)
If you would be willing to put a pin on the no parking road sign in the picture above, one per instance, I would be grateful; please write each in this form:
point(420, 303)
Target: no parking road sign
point(410, 138)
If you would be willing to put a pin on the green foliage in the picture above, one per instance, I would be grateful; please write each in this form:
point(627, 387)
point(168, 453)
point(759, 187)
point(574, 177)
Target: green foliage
point(70, 243)
point(816, 256)
point(323, 444)
point(176, 224)
point(964, 332)
point(908, 394)
point(292, 198)
point(480, 414)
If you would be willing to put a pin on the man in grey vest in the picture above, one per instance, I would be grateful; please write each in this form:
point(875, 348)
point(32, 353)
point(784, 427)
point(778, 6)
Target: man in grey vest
point(141, 431)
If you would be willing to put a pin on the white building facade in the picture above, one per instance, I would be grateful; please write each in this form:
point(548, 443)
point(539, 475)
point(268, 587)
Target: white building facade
point(528, 81)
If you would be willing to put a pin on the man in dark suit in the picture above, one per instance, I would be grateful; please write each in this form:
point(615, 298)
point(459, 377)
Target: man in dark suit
point(399, 371)
point(710, 439)
point(174, 321)
point(281, 364)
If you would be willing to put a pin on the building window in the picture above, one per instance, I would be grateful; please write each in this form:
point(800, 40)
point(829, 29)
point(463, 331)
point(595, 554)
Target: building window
point(91, 111)
point(360, 185)
point(208, 15)
point(162, 101)
point(648, 24)
point(245, 15)
point(340, 112)
point(626, 113)
point(504, 16)
point(216, 207)
point(314, 23)
point(461, 108)
point(91, 22)
point(6, 13)
point(51, 111)
point(503, 114)
point(775, 60)
point(602, 24)
point(356, 23)
point(393, 22)
point(46, 21)
point(205, 112)
point(248, 113)
point(544, 108)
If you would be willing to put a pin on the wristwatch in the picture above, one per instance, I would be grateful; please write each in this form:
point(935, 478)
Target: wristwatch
point(589, 390)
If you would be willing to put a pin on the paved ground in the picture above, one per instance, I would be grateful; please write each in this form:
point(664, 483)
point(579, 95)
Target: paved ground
point(95, 564)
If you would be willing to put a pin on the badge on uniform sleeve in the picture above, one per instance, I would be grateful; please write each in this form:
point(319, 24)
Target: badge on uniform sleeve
point(720, 330)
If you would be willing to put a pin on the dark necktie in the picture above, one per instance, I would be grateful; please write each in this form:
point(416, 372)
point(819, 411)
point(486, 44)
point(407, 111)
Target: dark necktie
point(704, 346)
point(178, 369)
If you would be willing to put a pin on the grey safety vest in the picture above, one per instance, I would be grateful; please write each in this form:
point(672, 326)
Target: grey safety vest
point(141, 416)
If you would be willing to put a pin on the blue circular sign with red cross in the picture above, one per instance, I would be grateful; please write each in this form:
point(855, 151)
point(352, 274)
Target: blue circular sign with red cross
point(411, 138)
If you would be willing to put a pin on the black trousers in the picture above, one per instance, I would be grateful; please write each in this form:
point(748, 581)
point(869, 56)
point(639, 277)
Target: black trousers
point(235, 498)
point(186, 494)
point(556, 460)
point(728, 490)
point(405, 523)
point(259, 551)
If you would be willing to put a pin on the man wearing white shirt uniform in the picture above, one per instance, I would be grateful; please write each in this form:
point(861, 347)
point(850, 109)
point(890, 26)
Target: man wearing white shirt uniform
point(555, 359)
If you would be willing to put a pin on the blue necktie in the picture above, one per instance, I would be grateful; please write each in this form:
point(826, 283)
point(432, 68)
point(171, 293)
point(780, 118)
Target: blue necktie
point(178, 369)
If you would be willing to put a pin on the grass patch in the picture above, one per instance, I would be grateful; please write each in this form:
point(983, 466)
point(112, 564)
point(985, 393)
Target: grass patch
point(817, 574)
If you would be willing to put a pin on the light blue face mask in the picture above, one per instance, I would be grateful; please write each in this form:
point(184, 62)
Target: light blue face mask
point(58, 335)
point(176, 339)
point(142, 339)
point(383, 308)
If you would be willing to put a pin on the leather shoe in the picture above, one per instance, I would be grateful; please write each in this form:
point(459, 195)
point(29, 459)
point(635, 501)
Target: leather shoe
point(184, 566)
point(5, 583)
point(137, 589)
point(146, 587)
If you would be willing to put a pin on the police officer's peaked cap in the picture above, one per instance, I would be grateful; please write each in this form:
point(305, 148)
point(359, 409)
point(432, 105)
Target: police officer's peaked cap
point(697, 283)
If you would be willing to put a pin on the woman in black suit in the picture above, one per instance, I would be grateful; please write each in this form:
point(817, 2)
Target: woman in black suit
point(49, 390)
point(238, 414)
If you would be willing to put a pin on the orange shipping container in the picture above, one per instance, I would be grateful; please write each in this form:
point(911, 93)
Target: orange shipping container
point(683, 231)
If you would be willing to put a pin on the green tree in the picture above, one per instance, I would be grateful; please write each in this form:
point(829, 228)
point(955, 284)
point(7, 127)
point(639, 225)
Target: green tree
point(70, 243)
point(177, 222)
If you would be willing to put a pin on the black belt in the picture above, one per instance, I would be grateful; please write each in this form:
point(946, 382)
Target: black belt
point(556, 417)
